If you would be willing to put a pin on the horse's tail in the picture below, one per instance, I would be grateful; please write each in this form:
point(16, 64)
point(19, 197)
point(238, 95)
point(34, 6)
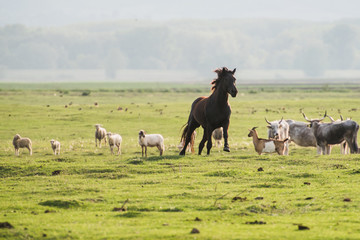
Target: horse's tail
point(185, 128)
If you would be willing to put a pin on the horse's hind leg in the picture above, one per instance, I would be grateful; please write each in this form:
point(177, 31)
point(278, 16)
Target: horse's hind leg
point(203, 140)
point(209, 142)
point(191, 128)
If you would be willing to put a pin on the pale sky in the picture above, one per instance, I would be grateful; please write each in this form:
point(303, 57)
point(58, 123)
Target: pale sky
point(57, 12)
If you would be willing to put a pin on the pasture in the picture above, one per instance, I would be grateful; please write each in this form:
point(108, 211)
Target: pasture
point(87, 193)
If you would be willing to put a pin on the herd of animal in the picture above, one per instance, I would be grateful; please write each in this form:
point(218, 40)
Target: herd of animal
point(315, 133)
point(280, 133)
point(213, 114)
point(114, 140)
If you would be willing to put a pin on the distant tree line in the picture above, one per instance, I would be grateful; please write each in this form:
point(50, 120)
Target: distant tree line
point(187, 44)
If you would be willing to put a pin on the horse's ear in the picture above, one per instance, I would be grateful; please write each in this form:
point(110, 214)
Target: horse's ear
point(233, 72)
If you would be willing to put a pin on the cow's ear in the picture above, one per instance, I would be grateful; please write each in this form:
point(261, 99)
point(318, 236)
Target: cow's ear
point(268, 126)
point(280, 126)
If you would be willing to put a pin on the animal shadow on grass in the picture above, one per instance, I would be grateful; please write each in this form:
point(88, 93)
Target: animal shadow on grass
point(61, 203)
point(159, 158)
point(129, 215)
point(136, 162)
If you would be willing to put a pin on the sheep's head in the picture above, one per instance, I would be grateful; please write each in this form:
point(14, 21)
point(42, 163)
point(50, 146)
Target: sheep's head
point(52, 141)
point(141, 134)
point(252, 132)
point(16, 137)
point(108, 134)
point(97, 126)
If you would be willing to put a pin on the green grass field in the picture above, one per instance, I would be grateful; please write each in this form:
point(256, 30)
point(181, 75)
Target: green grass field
point(223, 195)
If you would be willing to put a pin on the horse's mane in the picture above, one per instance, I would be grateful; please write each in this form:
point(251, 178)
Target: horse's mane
point(220, 72)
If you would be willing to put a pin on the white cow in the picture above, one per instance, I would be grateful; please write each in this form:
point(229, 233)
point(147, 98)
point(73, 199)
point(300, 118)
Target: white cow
point(279, 130)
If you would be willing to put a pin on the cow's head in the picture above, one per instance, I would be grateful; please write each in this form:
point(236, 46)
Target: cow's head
point(314, 122)
point(274, 128)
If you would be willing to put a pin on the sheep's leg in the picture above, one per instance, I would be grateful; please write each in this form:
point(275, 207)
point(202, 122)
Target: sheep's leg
point(142, 151)
point(226, 135)
point(30, 150)
point(203, 140)
point(160, 149)
point(146, 151)
point(112, 150)
point(119, 149)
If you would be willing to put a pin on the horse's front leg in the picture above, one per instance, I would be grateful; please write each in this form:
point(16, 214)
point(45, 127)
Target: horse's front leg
point(226, 135)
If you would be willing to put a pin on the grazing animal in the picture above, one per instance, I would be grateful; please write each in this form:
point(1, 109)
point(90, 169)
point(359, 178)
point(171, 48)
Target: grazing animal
point(212, 112)
point(100, 133)
point(190, 147)
point(327, 134)
point(20, 142)
point(217, 134)
point(151, 140)
point(55, 145)
point(344, 148)
point(267, 145)
point(279, 130)
point(301, 135)
point(114, 140)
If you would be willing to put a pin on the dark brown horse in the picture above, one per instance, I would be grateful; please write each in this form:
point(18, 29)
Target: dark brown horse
point(212, 112)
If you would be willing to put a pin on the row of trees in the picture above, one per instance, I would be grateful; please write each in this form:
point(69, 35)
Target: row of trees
point(187, 44)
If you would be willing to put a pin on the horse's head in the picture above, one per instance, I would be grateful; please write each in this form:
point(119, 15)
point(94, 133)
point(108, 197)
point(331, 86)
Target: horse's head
point(226, 81)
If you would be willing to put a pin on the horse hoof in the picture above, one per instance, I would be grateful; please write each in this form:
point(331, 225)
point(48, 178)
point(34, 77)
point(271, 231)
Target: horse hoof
point(226, 149)
point(182, 153)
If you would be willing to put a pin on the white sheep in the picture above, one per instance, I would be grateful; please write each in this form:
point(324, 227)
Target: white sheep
point(55, 145)
point(114, 139)
point(267, 145)
point(151, 140)
point(100, 133)
point(217, 134)
point(20, 142)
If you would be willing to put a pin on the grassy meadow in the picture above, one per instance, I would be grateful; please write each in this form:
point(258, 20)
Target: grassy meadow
point(87, 193)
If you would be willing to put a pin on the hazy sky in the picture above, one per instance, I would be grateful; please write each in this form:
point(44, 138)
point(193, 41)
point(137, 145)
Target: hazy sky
point(62, 12)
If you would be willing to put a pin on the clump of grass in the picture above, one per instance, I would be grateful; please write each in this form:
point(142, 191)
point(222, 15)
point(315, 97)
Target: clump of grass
point(86, 93)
